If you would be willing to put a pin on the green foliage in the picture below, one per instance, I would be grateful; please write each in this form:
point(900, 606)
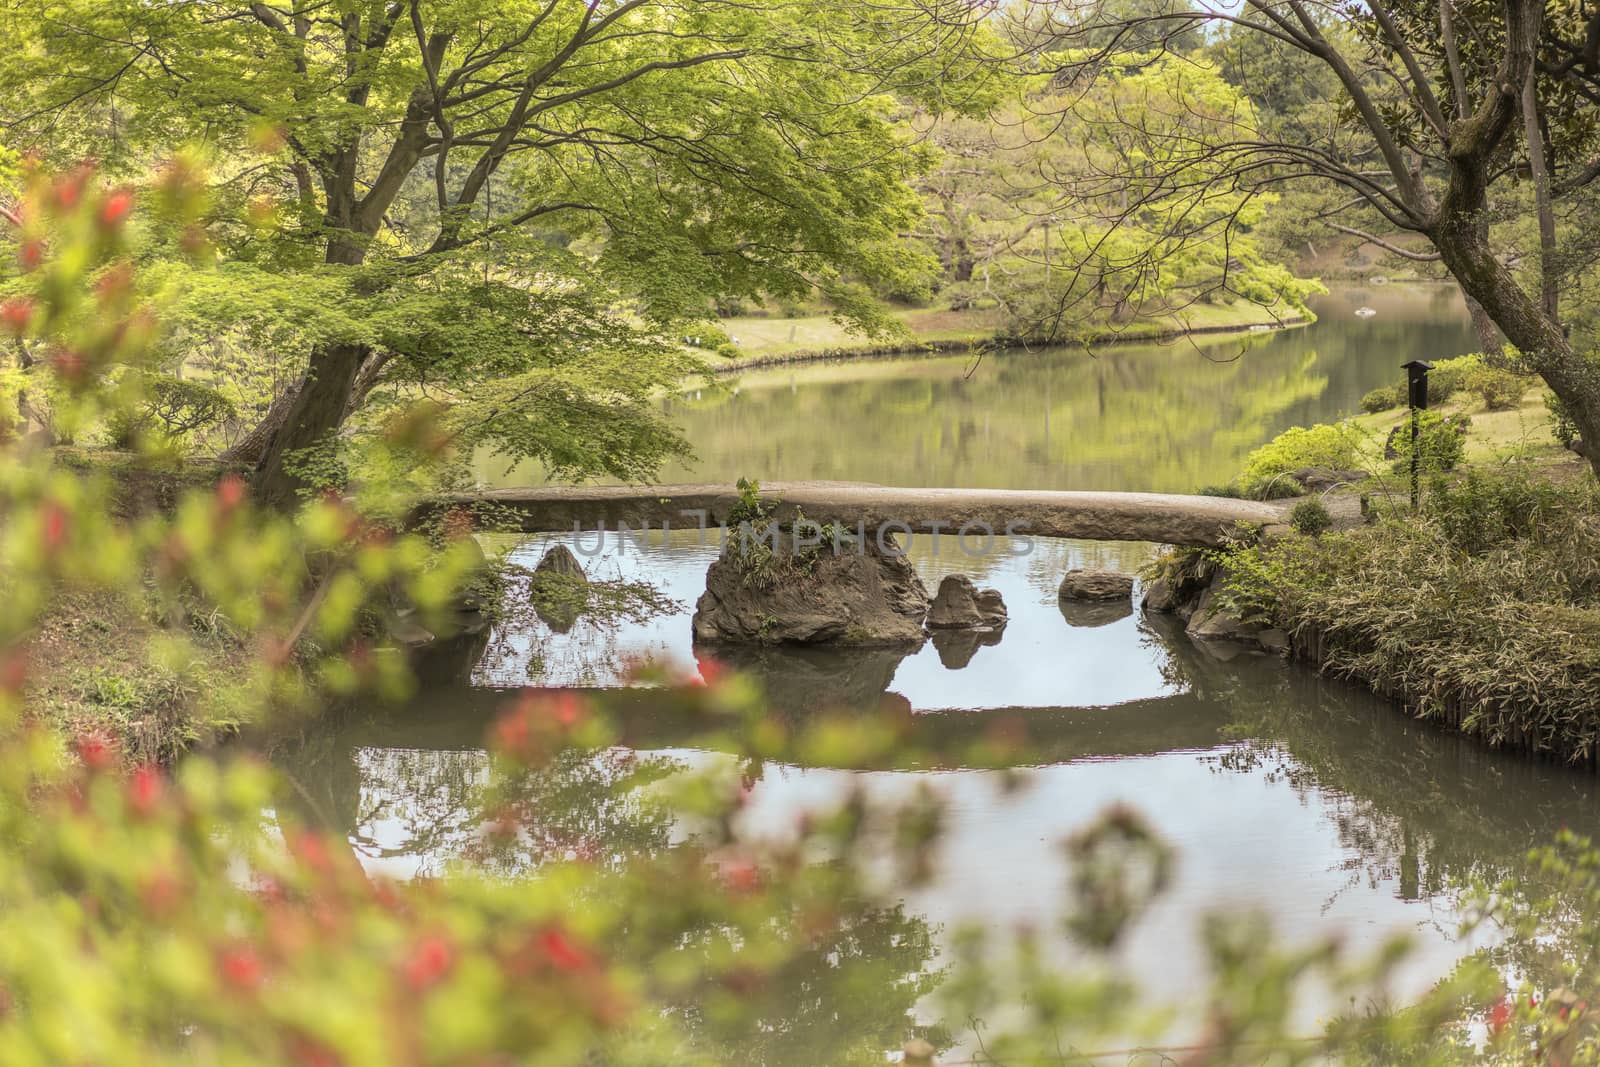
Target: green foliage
point(1098, 241)
point(1385, 399)
point(1483, 611)
point(1499, 388)
point(750, 508)
point(179, 913)
point(1310, 517)
point(1441, 442)
point(175, 407)
point(1562, 425)
point(1336, 445)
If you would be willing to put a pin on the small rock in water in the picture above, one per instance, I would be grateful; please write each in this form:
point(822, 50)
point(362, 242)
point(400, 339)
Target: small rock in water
point(959, 605)
point(1088, 614)
point(1082, 584)
point(957, 647)
point(559, 589)
point(560, 560)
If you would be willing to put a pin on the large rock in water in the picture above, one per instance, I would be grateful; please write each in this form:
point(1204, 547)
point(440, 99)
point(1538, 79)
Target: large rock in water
point(960, 605)
point(861, 596)
point(1218, 630)
point(1096, 585)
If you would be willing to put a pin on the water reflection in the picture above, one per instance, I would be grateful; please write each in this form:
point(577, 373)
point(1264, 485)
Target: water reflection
point(1280, 791)
point(1170, 417)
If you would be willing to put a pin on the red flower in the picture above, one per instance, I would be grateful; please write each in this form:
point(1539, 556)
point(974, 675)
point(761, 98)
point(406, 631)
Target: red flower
point(311, 852)
point(561, 951)
point(231, 492)
point(16, 313)
point(741, 875)
point(569, 709)
point(95, 751)
point(144, 789)
point(241, 967)
point(429, 961)
point(116, 209)
point(55, 526)
point(31, 253)
point(712, 671)
point(1500, 1015)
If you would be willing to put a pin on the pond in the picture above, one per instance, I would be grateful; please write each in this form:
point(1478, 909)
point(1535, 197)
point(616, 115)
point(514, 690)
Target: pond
point(1306, 800)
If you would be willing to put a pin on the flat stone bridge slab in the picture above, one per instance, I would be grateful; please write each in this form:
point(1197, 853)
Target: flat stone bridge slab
point(1164, 518)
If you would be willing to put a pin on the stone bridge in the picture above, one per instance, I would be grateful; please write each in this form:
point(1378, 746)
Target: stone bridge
point(1164, 518)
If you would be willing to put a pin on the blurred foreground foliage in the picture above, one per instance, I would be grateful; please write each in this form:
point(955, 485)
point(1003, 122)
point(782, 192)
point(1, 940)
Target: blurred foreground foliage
point(179, 913)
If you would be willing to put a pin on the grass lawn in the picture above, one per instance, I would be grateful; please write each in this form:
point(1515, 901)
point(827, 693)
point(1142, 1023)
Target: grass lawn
point(1517, 435)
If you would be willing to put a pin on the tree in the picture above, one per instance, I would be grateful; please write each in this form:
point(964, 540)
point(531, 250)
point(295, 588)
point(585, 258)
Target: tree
point(1461, 105)
point(526, 198)
point(1063, 202)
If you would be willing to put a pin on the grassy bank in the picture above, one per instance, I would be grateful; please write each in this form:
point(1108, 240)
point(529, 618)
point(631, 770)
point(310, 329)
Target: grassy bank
point(768, 340)
point(1480, 610)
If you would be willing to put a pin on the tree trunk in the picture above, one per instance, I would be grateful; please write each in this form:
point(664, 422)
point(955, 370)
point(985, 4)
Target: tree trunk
point(316, 412)
point(249, 449)
point(1489, 342)
point(1543, 343)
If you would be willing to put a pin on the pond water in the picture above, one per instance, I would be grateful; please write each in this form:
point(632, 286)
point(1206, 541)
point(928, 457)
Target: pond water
point(1280, 792)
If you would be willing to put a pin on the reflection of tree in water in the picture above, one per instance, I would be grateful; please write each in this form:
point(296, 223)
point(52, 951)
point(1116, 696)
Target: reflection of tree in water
point(591, 807)
point(436, 806)
point(847, 999)
point(1413, 805)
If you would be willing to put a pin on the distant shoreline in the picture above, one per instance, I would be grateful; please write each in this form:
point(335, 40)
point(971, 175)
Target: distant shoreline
point(946, 346)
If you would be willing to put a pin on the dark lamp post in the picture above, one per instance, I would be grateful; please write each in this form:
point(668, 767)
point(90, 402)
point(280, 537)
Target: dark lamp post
point(1417, 382)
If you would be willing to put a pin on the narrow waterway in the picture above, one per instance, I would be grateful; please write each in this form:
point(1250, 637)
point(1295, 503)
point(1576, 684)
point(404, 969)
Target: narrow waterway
point(1315, 804)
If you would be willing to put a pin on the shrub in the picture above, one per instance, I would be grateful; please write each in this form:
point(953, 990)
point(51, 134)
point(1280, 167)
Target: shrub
point(175, 406)
point(1563, 427)
point(1337, 446)
point(1310, 517)
point(1449, 376)
point(1483, 611)
point(1441, 442)
point(1500, 389)
point(1384, 399)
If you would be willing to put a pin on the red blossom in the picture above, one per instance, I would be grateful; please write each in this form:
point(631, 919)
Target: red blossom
point(69, 188)
point(114, 212)
point(429, 961)
point(95, 751)
point(31, 253)
point(55, 526)
point(568, 709)
point(145, 787)
point(741, 876)
point(15, 314)
point(311, 852)
point(241, 967)
point(159, 892)
point(231, 492)
point(70, 366)
point(13, 673)
point(1500, 1015)
point(309, 1052)
point(712, 670)
point(561, 951)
